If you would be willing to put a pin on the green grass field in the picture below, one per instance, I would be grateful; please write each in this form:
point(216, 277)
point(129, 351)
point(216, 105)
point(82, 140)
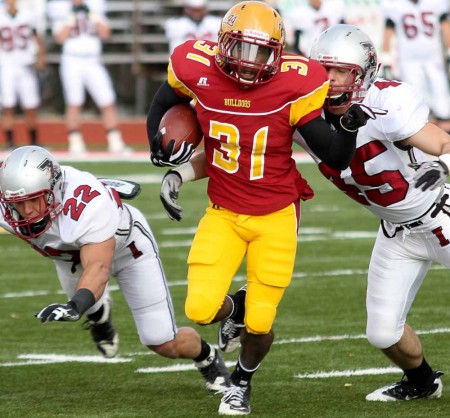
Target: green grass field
point(54, 371)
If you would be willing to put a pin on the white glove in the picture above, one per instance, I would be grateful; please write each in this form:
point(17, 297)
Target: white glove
point(430, 175)
point(59, 312)
point(170, 188)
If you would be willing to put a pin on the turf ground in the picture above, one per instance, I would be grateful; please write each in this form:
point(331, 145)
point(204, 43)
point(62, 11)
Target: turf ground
point(320, 365)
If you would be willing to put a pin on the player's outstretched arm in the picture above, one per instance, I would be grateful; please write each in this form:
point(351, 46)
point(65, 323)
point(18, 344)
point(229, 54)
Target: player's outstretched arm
point(336, 149)
point(96, 260)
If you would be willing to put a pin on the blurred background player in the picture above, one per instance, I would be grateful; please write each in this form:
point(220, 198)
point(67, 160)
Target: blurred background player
point(80, 26)
point(421, 30)
point(310, 19)
point(82, 224)
point(196, 23)
point(22, 52)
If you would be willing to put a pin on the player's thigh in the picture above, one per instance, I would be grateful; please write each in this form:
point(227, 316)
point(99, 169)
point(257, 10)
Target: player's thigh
point(99, 85)
point(440, 91)
point(28, 89)
point(396, 272)
point(270, 265)
point(215, 256)
point(71, 74)
point(8, 87)
point(144, 287)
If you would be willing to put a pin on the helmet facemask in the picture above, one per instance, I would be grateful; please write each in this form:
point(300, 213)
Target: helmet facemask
point(248, 59)
point(35, 225)
point(350, 91)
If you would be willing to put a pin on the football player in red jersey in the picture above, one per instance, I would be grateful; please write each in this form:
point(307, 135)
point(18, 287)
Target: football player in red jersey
point(389, 175)
point(249, 99)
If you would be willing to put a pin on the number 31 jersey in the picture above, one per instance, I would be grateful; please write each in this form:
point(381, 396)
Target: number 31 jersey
point(248, 131)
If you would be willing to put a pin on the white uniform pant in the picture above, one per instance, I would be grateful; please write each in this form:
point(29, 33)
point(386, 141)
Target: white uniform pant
point(19, 85)
point(81, 74)
point(140, 276)
point(397, 269)
point(431, 79)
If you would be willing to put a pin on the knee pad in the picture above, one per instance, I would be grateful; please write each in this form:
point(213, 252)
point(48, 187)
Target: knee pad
point(384, 338)
point(259, 319)
point(201, 309)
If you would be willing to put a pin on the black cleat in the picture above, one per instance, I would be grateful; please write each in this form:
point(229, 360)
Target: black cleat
point(405, 391)
point(236, 400)
point(102, 331)
point(214, 371)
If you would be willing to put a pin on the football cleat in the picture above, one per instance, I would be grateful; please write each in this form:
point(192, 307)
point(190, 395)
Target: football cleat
point(229, 332)
point(235, 401)
point(213, 369)
point(406, 391)
point(103, 332)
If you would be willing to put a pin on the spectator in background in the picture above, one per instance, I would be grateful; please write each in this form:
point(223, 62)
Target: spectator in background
point(21, 53)
point(421, 30)
point(309, 20)
point(80, 26)
point(195, 23)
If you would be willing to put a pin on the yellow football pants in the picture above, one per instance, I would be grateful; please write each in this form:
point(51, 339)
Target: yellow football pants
point(222, 241)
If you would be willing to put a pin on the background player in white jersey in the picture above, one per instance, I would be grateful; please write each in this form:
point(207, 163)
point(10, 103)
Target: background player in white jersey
point(310, 19)
point(196, 23)
point(80, 26)
point(22, 52)
point(421, 29)
point(81, 223)
point(415, 223)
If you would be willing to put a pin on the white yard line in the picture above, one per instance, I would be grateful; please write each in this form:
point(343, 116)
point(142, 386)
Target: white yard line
point(49, 358)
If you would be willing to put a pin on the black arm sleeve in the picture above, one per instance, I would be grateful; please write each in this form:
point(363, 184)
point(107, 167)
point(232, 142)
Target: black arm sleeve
point(296, 45)
point(389, 23)
point(164, 99)
point(335, 148)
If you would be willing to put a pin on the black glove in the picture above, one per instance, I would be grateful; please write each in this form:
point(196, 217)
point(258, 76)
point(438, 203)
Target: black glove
point(167, 157)
point(170, 188)
point(357, 115)
point(58, 312)
point(80, 8)
point(430, 174)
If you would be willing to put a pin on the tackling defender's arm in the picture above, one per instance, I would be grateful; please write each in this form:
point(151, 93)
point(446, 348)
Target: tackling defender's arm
point(96, 260)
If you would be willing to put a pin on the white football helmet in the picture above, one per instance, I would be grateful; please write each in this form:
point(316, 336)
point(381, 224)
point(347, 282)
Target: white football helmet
point(347, 47)
point(29, 173)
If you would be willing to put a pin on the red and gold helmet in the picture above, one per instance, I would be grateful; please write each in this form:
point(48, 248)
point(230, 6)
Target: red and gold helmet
point(251, 41)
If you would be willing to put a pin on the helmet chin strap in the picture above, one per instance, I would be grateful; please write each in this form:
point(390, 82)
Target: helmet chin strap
point(339, 101)
point(35, 228)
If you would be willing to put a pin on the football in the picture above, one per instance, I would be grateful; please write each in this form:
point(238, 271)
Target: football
point(180, 123)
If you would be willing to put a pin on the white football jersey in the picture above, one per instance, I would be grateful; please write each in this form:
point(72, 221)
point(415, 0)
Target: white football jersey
point(17, 42)
point(312, 22)
point(379, 177)
point(92, 213)
point(417, 26)
point(181, 29)
point(83, 40)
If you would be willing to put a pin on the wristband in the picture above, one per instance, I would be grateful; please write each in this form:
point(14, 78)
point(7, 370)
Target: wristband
point(186, 172)
point(83, 299)
point(445, 159)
